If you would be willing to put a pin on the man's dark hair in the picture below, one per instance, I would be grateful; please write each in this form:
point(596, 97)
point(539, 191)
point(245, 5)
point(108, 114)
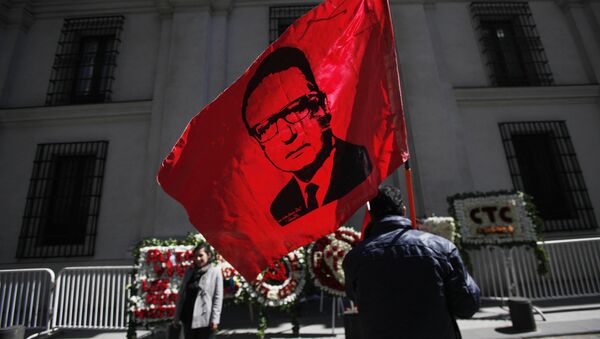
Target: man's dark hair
point(387, 202)
point(279, 60)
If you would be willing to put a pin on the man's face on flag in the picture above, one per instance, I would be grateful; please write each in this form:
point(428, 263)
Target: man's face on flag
point(283, 115)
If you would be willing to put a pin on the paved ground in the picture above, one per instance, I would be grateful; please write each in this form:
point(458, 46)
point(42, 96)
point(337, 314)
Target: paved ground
point(560, 322)
point(575, 321)
point(568, 321)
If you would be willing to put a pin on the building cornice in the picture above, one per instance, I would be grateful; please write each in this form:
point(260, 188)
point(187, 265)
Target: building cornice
point(65, 8)
point(4, 8)
point(164, 7)
point(247, 3)
point(433, 2)
point(275, 2)
point(16, 14)
point(565, 5)
point(62, 8)
point(108, 112)
point(527, 95)
point(221, 6)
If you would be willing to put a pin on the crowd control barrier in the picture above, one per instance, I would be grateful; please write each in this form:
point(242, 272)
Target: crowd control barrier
point(503, 273)
point(25, 297)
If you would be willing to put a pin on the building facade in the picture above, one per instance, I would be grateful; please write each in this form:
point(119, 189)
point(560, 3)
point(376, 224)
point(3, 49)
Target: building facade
point(93, 94)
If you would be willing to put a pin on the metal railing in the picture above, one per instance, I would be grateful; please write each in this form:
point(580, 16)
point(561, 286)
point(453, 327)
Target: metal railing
point(512, 272)
point(25, 297)
point(96, 297)
point(92, 297)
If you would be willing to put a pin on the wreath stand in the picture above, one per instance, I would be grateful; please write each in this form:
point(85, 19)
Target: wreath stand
point(336, 305)
point(337, 308)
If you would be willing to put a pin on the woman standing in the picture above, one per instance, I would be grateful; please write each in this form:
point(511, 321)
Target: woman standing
point(200, 296)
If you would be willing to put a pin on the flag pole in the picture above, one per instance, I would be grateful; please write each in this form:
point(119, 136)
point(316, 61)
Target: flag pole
point(411, 198)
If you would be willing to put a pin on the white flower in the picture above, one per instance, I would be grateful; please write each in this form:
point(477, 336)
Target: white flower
point(199, 238)
point(442, 226)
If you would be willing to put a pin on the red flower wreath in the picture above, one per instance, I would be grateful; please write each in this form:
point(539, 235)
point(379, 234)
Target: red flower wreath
point(325, 258)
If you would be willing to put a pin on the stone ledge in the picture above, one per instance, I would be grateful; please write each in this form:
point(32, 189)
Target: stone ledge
point(136, 110)
point(524, 95)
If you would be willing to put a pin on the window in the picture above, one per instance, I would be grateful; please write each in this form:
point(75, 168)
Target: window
point(63, 200)
point(85, 61)
point(510, 44)
point(281, 17)
point(543, 164)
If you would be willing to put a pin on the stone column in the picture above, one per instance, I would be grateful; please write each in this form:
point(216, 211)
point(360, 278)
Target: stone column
point(439, 158)
point(584, 28)
point(153, 156)
point(217, 59)
point(15, 21)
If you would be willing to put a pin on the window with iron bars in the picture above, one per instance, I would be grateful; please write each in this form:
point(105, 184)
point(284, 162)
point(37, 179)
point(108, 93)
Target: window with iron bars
point(85, 61)
point(281, 17)
point(63, 201)
point(543, 164)
point(510, 44)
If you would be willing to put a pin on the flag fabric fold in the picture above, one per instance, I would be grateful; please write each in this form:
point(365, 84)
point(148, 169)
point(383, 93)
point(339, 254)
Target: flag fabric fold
point(299, 142)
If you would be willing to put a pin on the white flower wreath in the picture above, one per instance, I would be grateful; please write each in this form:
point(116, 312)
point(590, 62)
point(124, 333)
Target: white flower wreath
point(521, 229)
point(325, 258)
point(442, 226)
point(279, 285)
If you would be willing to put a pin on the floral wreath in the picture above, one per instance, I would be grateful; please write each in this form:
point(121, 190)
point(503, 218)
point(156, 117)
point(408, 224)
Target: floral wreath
point(502, 235)
point(232, 280)
point(159, 273)
point(325, 258)
point(497, 235)
point(279, 285)
point(442, 226)
point(159, 269)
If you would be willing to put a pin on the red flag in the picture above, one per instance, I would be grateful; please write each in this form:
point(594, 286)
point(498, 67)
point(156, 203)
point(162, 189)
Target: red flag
point(299, 142)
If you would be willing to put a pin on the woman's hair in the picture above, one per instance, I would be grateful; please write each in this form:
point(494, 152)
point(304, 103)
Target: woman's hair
point(204, 247)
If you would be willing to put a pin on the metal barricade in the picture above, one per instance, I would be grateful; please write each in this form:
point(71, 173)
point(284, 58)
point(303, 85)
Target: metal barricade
point(25, 297)
point(512, 272)
point(92, 298)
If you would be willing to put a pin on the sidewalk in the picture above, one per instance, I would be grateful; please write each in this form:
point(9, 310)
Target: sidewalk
point(581, 321)
point(573, 321)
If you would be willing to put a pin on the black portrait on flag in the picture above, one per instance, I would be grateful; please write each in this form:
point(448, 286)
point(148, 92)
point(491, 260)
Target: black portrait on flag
point(293, 130)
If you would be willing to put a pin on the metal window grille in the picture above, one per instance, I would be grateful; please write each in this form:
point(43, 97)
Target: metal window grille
point(85, 61)
point(543, 163)
point(63, 202)
point(281, 17)
point(510, 44)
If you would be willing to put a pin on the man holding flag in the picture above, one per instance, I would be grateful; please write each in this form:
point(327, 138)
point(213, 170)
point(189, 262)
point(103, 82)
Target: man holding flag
point(406, 283)
point(299, 142)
